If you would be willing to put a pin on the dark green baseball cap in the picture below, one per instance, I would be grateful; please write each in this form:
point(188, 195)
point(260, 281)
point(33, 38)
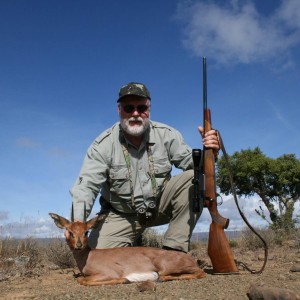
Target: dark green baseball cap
point(134, 88)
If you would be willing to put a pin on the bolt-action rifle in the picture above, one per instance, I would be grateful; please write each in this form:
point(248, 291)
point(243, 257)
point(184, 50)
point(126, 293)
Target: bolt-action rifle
point(219, 250)
point(205, 195)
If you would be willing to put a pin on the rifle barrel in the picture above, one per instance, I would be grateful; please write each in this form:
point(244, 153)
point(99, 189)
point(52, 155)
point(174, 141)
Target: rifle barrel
point(204, 88)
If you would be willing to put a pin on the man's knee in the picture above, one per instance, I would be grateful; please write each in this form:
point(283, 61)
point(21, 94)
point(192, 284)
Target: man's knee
point(99, 242)
point(116, 231)
point(110, 243)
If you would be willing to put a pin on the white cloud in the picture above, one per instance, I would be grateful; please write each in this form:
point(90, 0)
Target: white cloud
point(31, 227)
point(235, 32)
point(289, 12)
point(25, 142)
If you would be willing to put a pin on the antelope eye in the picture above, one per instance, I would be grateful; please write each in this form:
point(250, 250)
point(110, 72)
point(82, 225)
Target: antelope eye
point(86, 233)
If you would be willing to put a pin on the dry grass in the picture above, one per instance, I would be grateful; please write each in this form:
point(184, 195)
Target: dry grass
point(248, 240)
point(58, 252)
point(20, 258)
point(151, 238)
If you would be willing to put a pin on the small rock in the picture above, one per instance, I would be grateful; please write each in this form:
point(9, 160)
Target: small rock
point(295, 267)
point(265, 293)
point(146, 286)
point(281, 277)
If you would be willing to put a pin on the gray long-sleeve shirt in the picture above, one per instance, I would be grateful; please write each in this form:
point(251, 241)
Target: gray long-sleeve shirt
point(104, 169)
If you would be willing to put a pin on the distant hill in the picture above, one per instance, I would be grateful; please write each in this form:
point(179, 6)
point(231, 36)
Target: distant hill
point(203, 236)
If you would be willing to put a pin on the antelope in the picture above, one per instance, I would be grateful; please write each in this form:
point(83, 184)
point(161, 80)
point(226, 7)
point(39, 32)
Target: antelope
point(124, 264)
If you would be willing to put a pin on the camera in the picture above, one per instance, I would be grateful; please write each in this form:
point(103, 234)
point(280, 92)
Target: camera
point(148, 212)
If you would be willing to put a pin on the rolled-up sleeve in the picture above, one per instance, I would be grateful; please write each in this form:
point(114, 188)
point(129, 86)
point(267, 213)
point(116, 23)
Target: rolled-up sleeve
point(180, 152)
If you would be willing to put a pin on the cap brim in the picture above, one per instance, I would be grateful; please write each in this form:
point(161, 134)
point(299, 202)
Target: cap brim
point(121, 98)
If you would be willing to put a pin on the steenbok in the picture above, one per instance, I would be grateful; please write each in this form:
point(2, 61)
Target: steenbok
point(124, 264)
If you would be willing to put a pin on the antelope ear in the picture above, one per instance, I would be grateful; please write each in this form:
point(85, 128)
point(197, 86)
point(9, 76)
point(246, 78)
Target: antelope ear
point(59, 221)
point(95, 221)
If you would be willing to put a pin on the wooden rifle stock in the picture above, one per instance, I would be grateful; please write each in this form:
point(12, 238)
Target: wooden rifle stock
point(219, 250)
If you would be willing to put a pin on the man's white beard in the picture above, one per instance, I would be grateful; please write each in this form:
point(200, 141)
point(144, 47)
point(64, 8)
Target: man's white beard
point(135, 130)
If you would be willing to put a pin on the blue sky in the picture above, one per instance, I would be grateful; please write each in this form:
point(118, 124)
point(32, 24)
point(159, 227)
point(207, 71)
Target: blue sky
point(63, 62)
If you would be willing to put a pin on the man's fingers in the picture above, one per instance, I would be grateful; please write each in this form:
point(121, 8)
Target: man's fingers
point(201, 130)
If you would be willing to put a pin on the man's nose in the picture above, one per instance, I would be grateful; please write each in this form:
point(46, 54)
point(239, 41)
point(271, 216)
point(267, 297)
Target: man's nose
point(135, 112)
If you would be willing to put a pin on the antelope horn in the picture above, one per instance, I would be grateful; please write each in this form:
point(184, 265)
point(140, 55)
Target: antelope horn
point(72, 213)
point(84, 209)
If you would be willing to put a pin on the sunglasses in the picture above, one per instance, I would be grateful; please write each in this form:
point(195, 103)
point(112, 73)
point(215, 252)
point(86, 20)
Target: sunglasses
point(129, 108)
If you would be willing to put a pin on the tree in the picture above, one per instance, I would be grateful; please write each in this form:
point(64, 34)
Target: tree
point(276, 181)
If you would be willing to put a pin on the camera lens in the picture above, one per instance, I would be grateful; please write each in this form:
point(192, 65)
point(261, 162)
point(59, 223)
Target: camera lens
point(148, 212)
point(151, 205)
point(141, 211)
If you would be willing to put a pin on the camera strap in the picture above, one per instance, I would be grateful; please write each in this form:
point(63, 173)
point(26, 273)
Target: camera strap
point(151, 171)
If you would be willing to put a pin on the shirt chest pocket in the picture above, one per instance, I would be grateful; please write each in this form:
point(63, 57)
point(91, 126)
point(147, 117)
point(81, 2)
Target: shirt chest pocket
point(119, 180)
point(162, 167)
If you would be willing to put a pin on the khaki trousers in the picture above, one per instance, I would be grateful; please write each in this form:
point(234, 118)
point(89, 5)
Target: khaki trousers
point(175, 209)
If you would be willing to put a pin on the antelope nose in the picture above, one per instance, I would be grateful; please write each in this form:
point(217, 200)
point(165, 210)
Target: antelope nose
point(78, 244)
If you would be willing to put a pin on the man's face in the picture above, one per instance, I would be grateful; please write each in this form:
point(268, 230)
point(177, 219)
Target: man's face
point(134, 112)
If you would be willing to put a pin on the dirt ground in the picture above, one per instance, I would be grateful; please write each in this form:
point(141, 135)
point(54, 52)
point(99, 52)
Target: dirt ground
point(61, 284)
